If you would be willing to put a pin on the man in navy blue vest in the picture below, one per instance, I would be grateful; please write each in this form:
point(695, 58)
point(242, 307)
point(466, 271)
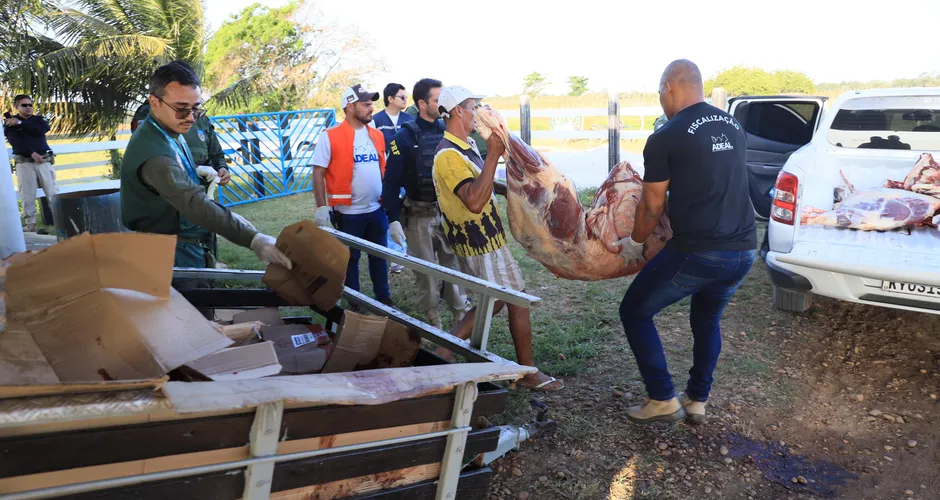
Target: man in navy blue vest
point(410, 164)
point(390, 119)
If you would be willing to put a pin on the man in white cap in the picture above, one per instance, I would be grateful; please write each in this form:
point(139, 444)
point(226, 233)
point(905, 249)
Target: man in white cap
point(347, 181)
point(464, 184)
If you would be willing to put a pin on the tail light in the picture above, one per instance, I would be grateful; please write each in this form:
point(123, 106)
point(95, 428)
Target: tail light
point(785, 192)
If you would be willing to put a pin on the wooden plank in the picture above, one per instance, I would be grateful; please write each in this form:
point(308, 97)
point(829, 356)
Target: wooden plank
point(302, 473)
point(33, 454)
point(218, 486)
point(363, 484)
point(24, 455)
point(473, 485)
point(318, 470)
point(265, 431)
point(172, 462)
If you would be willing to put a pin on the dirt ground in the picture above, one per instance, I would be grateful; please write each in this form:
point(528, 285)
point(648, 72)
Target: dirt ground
point(840, 399)
point(839, 402)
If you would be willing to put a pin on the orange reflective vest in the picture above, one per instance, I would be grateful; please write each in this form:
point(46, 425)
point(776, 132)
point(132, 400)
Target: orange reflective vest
point(339, 173)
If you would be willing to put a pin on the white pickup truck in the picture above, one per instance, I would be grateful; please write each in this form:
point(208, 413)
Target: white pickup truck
point(796, 150)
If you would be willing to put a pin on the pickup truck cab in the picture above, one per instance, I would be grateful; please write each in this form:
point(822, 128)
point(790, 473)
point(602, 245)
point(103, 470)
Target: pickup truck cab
point(869, 136)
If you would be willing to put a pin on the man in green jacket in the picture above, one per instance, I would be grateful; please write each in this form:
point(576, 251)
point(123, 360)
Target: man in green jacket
point(160, 188)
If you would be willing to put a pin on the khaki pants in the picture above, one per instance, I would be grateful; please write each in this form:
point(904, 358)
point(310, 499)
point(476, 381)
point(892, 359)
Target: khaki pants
point(425, 234)
point(31, 176)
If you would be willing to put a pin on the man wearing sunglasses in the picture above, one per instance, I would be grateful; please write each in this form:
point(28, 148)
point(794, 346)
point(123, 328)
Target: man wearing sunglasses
point(160, 190)
point(26, 133)
point(390, 120)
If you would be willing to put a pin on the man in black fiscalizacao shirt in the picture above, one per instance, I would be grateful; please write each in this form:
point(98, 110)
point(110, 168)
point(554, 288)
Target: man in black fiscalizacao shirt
point(698, 158)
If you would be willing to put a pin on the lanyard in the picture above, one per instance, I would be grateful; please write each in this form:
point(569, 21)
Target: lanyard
point(182, 150)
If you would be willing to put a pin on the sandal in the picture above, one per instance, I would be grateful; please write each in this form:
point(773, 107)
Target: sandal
point(539, 388)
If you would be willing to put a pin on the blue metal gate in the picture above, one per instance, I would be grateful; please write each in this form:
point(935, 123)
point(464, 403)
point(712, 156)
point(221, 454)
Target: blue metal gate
point(269, 154)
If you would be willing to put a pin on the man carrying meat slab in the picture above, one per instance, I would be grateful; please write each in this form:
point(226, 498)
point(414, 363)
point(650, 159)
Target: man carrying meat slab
point(698, 157)
point(463, 183)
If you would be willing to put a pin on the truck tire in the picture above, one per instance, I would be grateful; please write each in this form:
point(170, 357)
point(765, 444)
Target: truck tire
point(797, 302)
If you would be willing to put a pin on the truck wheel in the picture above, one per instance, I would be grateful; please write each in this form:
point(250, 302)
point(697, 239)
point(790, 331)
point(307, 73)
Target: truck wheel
point(786, 300)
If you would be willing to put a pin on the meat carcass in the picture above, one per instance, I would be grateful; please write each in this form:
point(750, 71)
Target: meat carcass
point(924, 178)
point(546, 217)
point(879, 209)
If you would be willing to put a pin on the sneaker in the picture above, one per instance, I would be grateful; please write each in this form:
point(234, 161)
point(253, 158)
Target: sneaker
point(656, 411)
point(694, 410)
point(389, 303)
point(396, 268)
point(30, 228)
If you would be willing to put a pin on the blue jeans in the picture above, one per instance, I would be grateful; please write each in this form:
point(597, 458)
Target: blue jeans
point(373, 227)
point(711, 278)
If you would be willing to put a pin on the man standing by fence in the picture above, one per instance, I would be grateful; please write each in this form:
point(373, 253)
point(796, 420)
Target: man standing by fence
point(464, 186)
point(347, 181)
point(160, 192)
point(410, 165)
point(712, 249)
point(32, 157)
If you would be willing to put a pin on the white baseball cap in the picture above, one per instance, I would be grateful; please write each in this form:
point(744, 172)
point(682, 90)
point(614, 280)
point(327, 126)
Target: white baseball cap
point(452, 96)
point(357, 93)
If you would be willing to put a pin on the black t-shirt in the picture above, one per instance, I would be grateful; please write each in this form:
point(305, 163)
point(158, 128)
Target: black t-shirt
point(701, 152)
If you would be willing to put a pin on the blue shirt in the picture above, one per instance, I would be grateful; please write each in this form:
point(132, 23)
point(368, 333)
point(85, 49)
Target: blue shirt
point(28, 137)
point(384, 123)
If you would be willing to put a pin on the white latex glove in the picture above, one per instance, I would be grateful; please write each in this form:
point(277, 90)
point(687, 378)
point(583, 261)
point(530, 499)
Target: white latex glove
point(630, 251)
point(263, 246)
point(322, 218)
point(397, 233)
point(244, 221)
point(206, 172)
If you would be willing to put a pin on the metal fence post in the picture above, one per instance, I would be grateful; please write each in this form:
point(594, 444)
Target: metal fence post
point(287, 171)
point(719, 98)
point(613, 130)
point(525, 119)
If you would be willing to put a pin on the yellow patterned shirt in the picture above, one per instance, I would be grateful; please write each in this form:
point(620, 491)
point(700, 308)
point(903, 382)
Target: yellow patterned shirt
point(455, 164)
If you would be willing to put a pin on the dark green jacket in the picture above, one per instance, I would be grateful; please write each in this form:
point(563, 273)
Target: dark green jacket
point(142, 209)
point(202, 141)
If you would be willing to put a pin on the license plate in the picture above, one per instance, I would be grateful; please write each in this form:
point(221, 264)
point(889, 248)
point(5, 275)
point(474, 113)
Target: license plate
point(911, 288)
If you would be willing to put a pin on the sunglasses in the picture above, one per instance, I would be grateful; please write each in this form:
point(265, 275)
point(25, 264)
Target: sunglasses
point(402, 97)
point(26, 105)
point(183, 113)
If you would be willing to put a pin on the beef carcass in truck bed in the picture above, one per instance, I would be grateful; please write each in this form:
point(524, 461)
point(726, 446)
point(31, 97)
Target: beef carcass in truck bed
point(910, 203)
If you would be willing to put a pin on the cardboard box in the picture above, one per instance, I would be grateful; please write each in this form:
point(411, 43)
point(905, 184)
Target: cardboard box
point(239, 363)
point(319, 263)
point(300, 349)
point(356, 343)
point(399, 347)
point(100, 307)
point(270, 316)
point(243, 333)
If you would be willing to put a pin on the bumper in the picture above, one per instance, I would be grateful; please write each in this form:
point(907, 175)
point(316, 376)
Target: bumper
point(846, 286)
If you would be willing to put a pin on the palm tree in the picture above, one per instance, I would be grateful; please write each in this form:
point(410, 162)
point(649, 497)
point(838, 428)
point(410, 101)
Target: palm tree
point(88, 62)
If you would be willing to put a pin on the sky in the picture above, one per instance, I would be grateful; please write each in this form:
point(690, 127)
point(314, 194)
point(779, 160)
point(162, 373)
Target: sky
point(624, 45)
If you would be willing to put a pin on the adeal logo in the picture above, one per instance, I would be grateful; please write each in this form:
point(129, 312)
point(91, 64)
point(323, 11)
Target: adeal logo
point(721, 143)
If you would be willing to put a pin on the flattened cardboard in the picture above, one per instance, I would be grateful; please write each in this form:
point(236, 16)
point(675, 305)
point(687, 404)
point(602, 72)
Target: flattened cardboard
point(318, 262)
point(21, 361)
point(270, 316)
point(243, 333)
point(301, 349)
point(399, 347)
point(356, 342)
point(89, 305)
point(239, 363)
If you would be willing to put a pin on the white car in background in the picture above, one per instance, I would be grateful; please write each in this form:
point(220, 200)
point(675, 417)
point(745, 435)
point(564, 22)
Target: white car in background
point(795, 154)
